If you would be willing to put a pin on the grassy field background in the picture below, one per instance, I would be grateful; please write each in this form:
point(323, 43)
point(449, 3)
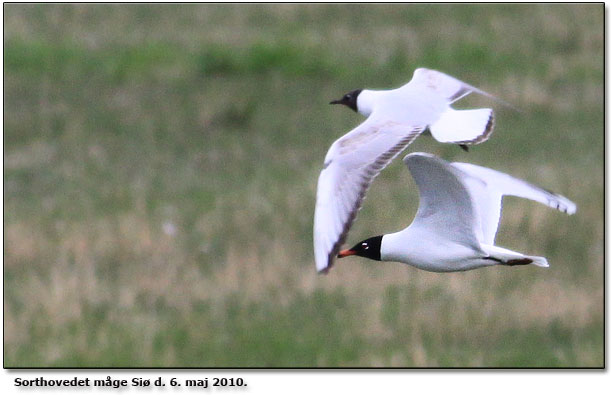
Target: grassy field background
point(160, 167)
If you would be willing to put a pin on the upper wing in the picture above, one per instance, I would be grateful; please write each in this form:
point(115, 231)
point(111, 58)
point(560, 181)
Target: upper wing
point(449, 125)
point(448, 87)
point(350, 166)
point(487, 188)
point(446, 208)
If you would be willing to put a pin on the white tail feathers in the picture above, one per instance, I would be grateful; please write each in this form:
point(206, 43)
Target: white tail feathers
point(463, 126)
point(511, 258)
point(538, 261)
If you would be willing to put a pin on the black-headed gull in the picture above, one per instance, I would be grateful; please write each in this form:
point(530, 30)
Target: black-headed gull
point(395, 118)
point(457, 220)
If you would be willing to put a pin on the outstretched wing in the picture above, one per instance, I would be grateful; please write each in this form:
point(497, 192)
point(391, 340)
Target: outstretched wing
point(487, 188)
point(350, 166)
point(446, 209)
point(446, 86)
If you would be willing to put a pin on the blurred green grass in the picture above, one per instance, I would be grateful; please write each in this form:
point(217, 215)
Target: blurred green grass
point(160, 166)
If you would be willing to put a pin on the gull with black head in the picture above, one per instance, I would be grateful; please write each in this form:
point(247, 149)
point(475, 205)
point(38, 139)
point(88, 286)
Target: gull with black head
point(456, 223)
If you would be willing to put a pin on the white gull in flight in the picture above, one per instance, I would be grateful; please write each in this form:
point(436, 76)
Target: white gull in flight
point(457, 220)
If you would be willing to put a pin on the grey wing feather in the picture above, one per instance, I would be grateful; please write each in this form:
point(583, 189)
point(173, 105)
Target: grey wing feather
point(446, 208)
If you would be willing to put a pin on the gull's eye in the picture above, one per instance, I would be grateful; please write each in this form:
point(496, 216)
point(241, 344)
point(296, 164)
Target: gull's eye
point(365, 246)
point(347, 97)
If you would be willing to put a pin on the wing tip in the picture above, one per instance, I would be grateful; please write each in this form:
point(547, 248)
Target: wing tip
point(417, 155)
point(565, 205)
point(561, 203)
point(486, 133)
point(324, 258)
point(570, 208)
point(328, 265)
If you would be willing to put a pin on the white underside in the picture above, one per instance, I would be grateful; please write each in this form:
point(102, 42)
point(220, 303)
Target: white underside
point(439, 255)
point(431, 253)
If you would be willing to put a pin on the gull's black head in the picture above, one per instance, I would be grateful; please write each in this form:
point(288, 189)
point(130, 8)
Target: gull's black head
point(369, 248)
point(349, 99)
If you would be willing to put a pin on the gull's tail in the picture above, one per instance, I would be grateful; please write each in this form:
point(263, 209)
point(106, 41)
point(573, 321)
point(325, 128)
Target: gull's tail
point(463, 126)
point(512, 258)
